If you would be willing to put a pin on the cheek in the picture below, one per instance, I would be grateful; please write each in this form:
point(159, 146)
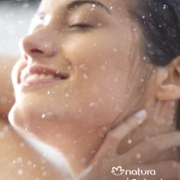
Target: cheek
point(99, 98)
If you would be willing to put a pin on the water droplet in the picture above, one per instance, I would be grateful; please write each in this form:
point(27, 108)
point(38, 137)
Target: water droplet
point(14, 162)
point(2, 135)
point(58, 135)
point(22, 144)
point(82, 66)
point(150, 66)
point(29, 163)
point(19, 160)
point(42, 168)
point(25, 5)
point(44, 173)
point(43, 161)
point(20, 172)
point(95, 90)
point(99, 24)
point(100, 99)
point(104, 128)
point(4, 100)
point(85, 76)
point(165, 6)
point(172, 103)
point(91, 104)
point(115, 49)
point(116, 79)
point(103, 67)
point(138, 156)
point(129, 141)
point(83, 160)
point(118, 109)
point(6, 128)
point(49, 113)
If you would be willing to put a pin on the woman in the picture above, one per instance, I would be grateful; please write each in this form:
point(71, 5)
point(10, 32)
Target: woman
point(77, 80)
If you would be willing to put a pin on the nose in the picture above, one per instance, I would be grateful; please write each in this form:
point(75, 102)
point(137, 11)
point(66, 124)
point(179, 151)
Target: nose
point(39, 44)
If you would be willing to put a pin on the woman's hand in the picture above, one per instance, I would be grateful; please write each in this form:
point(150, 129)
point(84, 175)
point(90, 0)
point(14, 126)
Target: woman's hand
point(133, 165)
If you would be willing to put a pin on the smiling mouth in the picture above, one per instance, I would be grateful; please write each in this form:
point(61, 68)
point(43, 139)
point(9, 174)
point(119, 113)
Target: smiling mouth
point(40, 75)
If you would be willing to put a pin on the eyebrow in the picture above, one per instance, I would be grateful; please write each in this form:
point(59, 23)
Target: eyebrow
point(83, 2)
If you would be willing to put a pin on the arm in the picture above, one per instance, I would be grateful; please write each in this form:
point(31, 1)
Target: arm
point(6, 89)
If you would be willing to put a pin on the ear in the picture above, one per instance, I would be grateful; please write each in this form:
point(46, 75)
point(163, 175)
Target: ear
point(168, 81)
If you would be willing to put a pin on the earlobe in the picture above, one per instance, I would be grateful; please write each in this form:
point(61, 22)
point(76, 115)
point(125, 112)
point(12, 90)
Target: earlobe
point(168, 81)
point(168, 92)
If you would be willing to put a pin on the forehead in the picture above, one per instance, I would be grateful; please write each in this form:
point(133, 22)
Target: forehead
point(113, 6)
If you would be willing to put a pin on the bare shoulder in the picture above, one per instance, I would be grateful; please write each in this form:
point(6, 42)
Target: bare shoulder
point(18, 160)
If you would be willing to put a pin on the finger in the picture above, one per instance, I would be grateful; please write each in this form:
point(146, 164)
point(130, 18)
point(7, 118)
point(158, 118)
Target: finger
point(115, 136)
point(146, 150)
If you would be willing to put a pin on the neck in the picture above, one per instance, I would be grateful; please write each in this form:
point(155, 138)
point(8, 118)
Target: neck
point(78, 149)
point(80, 146)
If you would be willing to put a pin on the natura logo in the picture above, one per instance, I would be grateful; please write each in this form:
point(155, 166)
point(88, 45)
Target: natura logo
point(118, 171)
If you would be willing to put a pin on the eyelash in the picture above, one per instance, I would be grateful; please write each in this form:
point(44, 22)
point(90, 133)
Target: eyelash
point(82, 26)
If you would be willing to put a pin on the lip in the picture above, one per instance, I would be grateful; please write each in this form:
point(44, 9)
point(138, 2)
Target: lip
point(26, 72)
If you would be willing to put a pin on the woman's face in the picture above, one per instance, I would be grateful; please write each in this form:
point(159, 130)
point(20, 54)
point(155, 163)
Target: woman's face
point(76, 75)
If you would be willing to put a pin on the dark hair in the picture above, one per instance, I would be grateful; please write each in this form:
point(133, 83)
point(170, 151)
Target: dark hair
point(160, 22)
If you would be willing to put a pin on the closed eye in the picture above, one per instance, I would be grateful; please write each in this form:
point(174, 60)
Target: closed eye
point(83, 26)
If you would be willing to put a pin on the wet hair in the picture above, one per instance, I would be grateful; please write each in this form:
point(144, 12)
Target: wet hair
point(160, 23)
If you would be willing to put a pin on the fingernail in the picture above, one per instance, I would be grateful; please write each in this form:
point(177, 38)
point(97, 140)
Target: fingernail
point(141, 114)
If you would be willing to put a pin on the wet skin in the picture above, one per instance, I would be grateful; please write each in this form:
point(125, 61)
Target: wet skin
point(92, 52)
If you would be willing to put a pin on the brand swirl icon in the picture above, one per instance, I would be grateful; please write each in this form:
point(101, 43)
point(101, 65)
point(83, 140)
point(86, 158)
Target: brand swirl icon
point(117, 171)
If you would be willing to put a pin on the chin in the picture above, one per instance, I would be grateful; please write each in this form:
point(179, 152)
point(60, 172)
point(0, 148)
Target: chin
point(18, 121)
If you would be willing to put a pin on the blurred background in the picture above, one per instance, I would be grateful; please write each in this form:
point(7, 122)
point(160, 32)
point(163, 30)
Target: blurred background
point(15, 17)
